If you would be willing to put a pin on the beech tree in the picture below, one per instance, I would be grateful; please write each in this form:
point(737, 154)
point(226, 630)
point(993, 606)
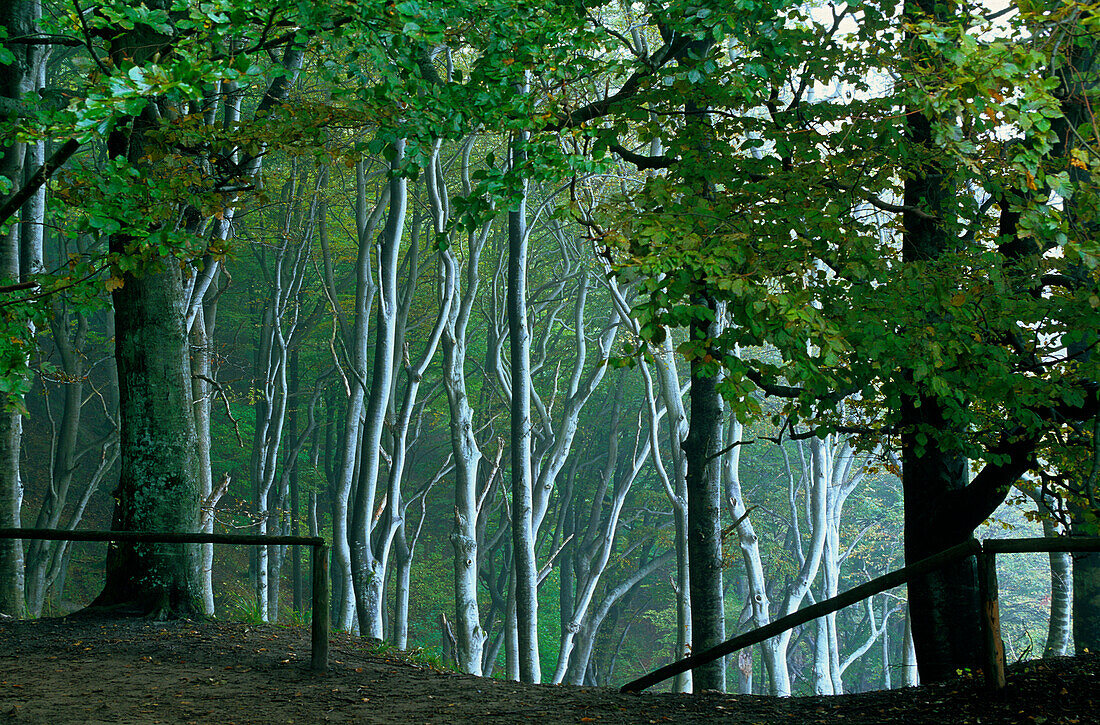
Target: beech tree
point(22, 76)
point(879, 216)
point(955, 326)
point(161, 67)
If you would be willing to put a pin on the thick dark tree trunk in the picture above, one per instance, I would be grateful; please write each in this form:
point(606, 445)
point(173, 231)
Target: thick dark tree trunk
point(1077, 79)
point(158, 488)
point(1086, 587)
point(704, 523)
point(943, 607)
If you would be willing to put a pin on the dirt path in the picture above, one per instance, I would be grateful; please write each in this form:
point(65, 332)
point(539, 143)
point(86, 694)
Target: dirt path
point(127, 671)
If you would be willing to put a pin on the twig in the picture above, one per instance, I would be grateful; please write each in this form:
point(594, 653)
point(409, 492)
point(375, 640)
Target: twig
point(225, 400)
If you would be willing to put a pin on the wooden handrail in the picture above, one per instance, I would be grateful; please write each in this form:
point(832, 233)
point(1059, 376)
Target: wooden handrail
point(150, 537)
point(318, 561)
point(986, 551)
point(1039, 545)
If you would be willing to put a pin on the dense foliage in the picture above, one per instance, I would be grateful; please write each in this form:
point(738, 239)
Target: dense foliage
point(322, 253)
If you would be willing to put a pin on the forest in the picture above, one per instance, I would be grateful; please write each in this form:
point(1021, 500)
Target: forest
point(588, 333)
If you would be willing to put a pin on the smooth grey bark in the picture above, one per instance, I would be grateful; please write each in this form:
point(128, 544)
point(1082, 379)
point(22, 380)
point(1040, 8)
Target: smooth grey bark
point(749, 543)
point(468, 632)
point(844, 477)
point(404, 547)
point(675, 484)
point(910, 677)
point(293, 489)
point(555, 438)
point(494, 561)
point(366, 564)
point(202, 317)
point(586, 638)
point(877, 628)
point(403, 557)
point(393, 522)
point(202, 373)
point(815, 477)
point(200, 321)
point(282, 322)
point(523, 534)
point(1059, 624)
point(887, 677)
point(296, 442)
point(552, 436)
point(354, 339)
point(820, 676)
point(270, 384)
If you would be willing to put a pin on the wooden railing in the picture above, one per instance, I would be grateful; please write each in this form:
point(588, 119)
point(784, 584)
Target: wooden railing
point(986, 552)
point(318, 561)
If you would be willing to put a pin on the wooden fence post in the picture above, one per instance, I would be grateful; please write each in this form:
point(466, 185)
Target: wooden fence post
point(994, 650)
point(319, 562)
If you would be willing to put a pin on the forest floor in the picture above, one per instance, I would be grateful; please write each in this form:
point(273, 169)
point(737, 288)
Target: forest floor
point(80, 670)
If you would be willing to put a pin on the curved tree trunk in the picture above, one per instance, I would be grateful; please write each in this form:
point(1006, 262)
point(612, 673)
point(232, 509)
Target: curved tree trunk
point(749, 542)
point(944, 605)
point(355, 348)
point(367, 569)
point(469, 634)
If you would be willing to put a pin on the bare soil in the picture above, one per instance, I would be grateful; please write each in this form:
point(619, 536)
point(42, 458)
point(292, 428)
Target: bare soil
point(80, 670)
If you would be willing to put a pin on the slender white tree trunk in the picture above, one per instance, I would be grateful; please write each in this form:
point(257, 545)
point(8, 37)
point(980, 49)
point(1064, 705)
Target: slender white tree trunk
point(599, 537)
point(909, 675)
point(811, 557)
point(19, 79)
point(523, 537)
point(469, 634)
point(759, 604)
point(366, 567)
point(201, 374)
point(676, 489)
point(355, 340)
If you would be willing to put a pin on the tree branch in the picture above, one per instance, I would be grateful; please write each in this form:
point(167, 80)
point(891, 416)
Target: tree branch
point(40, 177)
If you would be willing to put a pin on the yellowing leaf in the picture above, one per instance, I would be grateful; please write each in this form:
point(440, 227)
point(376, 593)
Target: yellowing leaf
point(114, 283)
